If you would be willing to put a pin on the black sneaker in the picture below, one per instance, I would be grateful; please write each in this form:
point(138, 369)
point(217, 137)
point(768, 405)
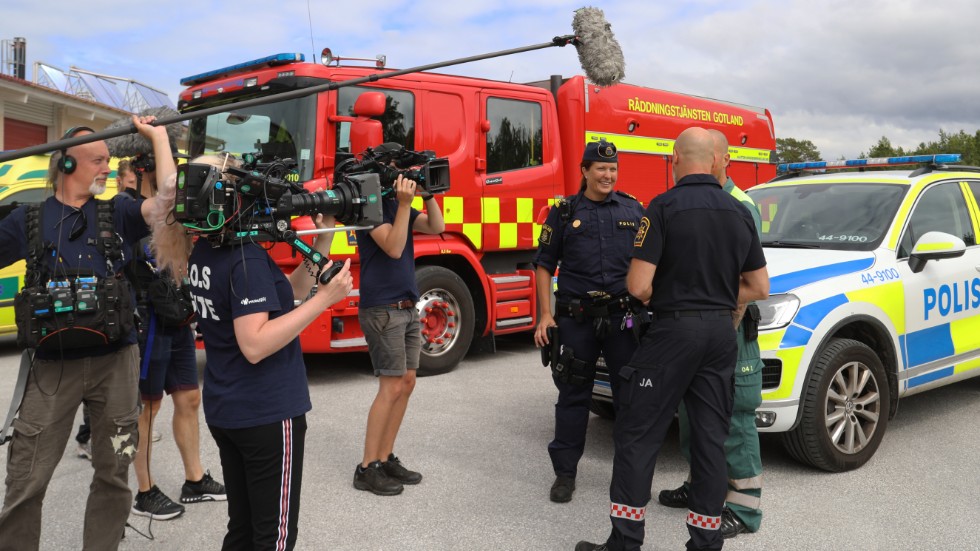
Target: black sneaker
point(731, 525)
point(562, 489)
point(156, 505)
point(206, 489)
point(674, 498)
point(586, 546)
point(374, 480)
point(394, 469)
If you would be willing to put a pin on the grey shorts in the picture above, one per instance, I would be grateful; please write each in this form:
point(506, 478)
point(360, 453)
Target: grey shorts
point(394, 338)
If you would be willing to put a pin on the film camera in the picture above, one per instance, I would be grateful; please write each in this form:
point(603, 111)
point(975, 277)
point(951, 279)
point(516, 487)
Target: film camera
point(389, 160)
point(256, 203)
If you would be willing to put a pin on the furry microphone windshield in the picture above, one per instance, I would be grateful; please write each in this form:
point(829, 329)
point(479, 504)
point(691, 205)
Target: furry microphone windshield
point(131, 145)
point(598, 51)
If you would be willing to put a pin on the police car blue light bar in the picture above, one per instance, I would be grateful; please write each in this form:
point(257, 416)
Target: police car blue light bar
point(945, 158)
point(268, 61)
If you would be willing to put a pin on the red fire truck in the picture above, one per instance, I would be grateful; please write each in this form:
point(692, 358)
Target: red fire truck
point(512, 150)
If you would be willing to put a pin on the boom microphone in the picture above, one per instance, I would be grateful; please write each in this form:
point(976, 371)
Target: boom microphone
point(598, 51)
point(132, 145)
point(600, 54)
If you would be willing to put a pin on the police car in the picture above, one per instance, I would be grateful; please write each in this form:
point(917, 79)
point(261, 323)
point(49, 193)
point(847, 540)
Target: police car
point(874, 295)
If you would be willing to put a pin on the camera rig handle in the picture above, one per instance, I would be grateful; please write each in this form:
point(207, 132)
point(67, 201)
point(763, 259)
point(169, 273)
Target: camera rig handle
point(324, 275)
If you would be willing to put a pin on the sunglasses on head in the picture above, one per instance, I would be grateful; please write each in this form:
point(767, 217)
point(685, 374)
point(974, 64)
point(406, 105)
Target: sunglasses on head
point(77, 229)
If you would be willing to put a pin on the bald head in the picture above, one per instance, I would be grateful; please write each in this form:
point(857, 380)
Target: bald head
point(722, 157)
point(693, 153)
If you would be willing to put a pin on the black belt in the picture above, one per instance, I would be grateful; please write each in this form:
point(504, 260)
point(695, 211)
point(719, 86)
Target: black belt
point(577, 308)
point(401, 305)
point(703, 314)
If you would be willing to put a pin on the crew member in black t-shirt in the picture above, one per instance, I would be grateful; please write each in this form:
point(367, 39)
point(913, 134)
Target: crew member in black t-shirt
point(391, 327)
point(696, 257)
point(256, 393)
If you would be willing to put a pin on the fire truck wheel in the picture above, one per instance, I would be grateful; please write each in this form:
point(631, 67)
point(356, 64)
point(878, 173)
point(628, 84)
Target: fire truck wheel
point(845, 409)
point(447, 317)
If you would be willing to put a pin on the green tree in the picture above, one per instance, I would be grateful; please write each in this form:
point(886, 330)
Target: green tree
point(884, 148)
point(791, 150)
point(967, 145)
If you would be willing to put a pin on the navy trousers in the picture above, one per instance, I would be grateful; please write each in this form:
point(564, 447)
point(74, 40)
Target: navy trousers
point(572, 408)
point(685, 358)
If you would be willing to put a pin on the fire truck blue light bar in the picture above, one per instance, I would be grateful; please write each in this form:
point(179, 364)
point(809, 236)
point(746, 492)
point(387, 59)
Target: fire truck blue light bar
point(268, 61)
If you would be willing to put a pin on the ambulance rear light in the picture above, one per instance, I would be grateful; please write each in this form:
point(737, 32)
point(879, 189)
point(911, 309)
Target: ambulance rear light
point(945, 158)
point(268, 61)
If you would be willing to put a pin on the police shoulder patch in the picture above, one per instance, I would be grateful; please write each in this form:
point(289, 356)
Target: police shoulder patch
point(545, 238)
point(641, 233)
point(624, 194)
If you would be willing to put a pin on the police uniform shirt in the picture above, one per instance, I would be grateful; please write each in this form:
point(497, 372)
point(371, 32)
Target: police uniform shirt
point(386, 280)
point(65, 256)
point(701, 239)
point(592, 246)
point(226, 283)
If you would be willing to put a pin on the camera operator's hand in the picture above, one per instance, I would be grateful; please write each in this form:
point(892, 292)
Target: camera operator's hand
point(338, 287)
point(404, 191)
point(324, 221)
point(424, 193)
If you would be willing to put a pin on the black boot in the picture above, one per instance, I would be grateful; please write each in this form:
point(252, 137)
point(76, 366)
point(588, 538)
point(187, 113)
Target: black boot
point(731, 525)
point(674, 498)
point(562, 489)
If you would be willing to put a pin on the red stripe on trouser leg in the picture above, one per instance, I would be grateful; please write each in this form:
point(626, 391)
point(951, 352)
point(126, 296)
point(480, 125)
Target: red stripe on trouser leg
point(703, 521)
point(286, 485)
point(625, 511)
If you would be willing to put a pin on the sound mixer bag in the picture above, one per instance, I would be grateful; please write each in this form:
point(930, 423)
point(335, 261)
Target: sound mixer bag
point(172, 305)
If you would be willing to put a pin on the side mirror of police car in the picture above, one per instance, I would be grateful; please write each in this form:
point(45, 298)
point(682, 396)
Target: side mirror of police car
point(935, 245)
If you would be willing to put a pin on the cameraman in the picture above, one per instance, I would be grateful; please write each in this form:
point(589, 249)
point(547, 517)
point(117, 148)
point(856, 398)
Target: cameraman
point(256, 393)
point(105, 377)
point(391, 327)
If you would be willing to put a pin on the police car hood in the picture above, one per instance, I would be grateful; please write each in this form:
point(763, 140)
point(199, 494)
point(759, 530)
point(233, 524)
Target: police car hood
point(791, 269)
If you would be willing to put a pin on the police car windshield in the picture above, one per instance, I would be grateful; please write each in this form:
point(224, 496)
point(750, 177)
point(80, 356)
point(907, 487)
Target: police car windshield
point(839, 216)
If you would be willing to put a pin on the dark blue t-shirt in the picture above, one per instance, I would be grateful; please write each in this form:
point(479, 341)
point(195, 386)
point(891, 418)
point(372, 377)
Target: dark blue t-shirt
point(386, 280)
point(226, 283)
point(70, 256)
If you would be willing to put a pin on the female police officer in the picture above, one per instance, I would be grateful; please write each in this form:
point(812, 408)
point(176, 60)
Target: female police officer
point(591, 236)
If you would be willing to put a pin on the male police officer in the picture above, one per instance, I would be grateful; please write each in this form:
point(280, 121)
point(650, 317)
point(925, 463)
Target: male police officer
point(742, 511)
point(696, 257)
point(104, 376)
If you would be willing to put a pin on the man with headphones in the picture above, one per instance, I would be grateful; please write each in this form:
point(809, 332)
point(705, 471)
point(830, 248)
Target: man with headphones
point(70, 243)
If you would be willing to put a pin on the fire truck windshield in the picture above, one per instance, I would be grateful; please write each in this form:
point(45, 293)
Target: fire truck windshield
point(283, 130)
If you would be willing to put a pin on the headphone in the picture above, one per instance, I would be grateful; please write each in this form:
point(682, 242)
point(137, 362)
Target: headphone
point(66, 163)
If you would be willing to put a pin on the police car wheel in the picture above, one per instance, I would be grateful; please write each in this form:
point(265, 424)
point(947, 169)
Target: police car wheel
point(602, 409)
point(447, 317)
point(845, 408)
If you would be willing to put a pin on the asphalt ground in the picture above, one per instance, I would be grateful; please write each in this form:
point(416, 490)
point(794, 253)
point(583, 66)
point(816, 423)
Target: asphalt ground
point(479, 436)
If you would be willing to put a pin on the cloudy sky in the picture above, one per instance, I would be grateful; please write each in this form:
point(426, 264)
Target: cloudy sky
point(840, 73)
